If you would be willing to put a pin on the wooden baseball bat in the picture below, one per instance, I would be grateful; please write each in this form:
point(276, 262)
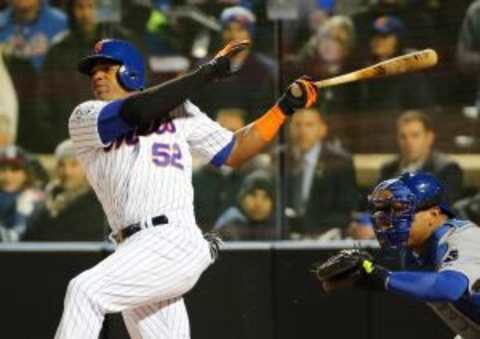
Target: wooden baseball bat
point(407, 63)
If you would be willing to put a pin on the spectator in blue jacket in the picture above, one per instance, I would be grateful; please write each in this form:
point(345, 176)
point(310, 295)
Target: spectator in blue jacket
point(28, 28)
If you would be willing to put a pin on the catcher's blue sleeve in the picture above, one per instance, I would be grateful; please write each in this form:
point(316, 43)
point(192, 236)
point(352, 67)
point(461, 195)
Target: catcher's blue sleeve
point(445, 286)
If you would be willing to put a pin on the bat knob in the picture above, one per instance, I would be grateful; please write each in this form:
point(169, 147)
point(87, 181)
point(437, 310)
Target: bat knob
point(295, 90)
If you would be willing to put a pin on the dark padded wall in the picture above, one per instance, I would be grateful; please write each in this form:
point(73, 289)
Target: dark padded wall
point(248, 294)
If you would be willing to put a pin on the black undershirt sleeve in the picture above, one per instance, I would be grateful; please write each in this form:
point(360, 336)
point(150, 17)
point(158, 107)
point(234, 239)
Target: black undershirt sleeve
point(155, 103)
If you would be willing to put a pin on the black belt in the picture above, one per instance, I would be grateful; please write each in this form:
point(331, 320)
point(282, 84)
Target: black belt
point(130, 230)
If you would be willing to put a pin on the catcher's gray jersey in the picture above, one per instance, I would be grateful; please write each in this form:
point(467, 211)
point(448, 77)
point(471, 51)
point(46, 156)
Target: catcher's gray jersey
point(459, 250)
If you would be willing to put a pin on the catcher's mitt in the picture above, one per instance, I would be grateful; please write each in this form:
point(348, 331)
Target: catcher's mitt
point(347, 264)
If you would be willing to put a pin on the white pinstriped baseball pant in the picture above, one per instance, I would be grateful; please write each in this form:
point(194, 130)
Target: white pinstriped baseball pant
point(144, 279)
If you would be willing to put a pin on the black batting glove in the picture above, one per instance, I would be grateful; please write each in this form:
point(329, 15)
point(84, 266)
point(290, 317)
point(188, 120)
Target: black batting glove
point(221, 65)
point(308, 93)
point(373, 276)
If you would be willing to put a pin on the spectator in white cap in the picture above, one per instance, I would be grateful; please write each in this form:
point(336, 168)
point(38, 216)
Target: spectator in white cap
point(72, 211)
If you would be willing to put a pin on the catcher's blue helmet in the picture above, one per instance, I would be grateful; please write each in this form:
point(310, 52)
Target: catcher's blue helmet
point(131, 74)
point(394, 202)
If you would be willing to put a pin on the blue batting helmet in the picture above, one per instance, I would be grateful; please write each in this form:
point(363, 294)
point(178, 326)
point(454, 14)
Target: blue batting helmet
point(393, 204)
point(131, 74)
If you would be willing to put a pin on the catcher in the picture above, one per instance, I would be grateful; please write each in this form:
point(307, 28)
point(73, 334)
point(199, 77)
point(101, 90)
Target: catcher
point(441, 253)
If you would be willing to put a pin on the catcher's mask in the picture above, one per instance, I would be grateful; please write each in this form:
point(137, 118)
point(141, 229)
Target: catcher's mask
point(393, 204)
point(131, 74)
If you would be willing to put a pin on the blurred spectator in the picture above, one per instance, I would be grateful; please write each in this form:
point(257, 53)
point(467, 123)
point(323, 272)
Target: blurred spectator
point(20, 199)
point(451, 86)
point(136, 15)
point(72, 211)
point(415, 137)
point(415, 14)
point(29, 27)
point(252, 217)
point(468, 48)
point(312, 14)
point(160, 32)
point(361, 227)
point(62, 86)
point(8, 107)
point(327, 54)
point(231, 118)
point(252, 88)
point(395, 94)
point(219, 186)
point(322, 190)
point(468, 208)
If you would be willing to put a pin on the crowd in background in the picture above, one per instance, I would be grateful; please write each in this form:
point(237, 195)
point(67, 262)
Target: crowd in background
point(417, 117)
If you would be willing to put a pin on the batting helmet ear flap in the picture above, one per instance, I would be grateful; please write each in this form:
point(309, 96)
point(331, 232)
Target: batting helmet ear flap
point(129, 78)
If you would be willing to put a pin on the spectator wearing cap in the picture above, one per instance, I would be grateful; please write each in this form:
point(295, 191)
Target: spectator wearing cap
point(72, 211)
point(395, 94)
point(252, 88)
point(387, 38)
point(414, 14)
point(252, 218)
point(20, 197)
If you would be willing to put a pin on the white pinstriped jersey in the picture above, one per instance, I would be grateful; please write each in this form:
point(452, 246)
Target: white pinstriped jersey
point(139, 177)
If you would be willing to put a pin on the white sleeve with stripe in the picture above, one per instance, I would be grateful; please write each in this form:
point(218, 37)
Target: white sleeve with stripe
point(83, 126)
point(205, 137)
point(464, 255)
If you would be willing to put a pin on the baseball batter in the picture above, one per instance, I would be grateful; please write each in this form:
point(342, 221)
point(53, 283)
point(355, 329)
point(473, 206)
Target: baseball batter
point(136, 147)
point(441, 253)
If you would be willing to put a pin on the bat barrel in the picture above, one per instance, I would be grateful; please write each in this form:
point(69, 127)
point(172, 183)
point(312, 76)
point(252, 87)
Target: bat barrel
point(412, 62)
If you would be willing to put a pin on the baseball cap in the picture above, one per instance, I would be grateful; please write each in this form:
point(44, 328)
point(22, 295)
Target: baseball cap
point(241, 15)
point(256, 180)
point(13, 156)
point(388, 24)
point(65, 149)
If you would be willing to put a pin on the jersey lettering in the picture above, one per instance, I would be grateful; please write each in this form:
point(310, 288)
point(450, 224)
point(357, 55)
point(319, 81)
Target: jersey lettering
point(132, 138)
point(167, 155)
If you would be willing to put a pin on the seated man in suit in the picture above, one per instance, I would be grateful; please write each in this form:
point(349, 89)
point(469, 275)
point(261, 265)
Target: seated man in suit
point(322, 189)
point(415, 136)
